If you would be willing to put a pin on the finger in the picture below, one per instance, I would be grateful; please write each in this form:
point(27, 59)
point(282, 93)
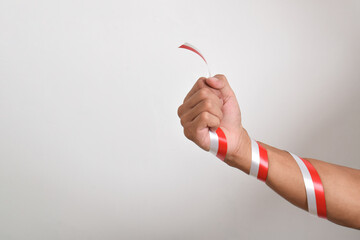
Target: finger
point(200, 83)
point(219, 82)
point(206, 120)
point(204, 106)
point(199, 96)
point(198, 130)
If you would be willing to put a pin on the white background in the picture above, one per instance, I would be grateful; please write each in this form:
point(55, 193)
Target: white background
point(90, 143)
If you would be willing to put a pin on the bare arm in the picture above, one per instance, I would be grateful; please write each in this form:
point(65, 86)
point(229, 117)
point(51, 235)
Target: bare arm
point(341, 184)
point(212, 104)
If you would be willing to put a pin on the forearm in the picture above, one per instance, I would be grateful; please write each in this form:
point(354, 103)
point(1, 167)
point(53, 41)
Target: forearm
point(342, 192)
point(341, 184)
point(332, 191)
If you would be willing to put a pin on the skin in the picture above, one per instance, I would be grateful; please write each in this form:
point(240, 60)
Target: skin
point(211, 103)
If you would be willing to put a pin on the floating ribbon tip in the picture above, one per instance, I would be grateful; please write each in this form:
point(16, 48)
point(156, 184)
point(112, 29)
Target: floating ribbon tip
point(190, 47)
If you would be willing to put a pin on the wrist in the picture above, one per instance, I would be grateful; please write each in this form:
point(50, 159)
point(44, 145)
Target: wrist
point(241, 157)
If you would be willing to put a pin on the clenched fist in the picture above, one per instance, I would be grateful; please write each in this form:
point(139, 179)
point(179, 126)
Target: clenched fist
point(210, 104)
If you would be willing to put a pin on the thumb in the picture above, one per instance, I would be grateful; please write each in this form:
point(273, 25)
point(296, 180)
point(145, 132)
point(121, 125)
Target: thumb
point(219, 82)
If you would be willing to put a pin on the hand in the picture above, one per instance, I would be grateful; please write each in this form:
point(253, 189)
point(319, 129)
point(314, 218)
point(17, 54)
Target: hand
point(210, 104)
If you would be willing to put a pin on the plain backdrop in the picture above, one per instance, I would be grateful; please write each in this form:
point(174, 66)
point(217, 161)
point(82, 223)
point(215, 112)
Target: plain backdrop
point(90, 143)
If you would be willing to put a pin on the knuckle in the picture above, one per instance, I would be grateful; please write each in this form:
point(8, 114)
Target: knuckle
point(203, 92)
point(179, 111)
point(208, 104)
point(182, 122)
point(200, 80)
point(204, 116)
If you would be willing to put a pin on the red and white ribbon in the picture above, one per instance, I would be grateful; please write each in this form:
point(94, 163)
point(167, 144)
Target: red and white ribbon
point(314, 189)
point(192, 48)
point(259, 161)
point(218, 142)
